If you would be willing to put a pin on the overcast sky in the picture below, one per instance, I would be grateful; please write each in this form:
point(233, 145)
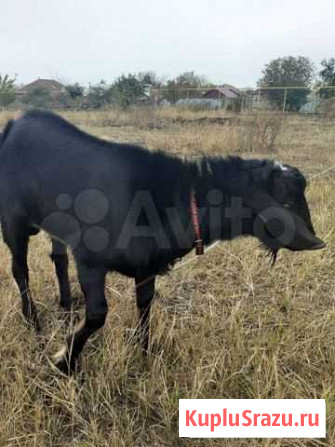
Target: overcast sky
point(227, 41)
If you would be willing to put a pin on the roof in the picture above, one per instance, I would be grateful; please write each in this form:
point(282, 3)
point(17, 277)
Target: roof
point(226, 90)
point(49, 84)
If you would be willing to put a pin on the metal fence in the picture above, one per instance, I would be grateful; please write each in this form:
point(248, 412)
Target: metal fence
point(285, 99)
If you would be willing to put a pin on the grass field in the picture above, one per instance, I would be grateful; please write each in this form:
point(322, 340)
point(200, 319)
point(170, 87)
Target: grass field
point(224, 326)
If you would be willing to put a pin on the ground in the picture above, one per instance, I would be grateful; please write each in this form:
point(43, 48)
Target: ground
point(225, 325)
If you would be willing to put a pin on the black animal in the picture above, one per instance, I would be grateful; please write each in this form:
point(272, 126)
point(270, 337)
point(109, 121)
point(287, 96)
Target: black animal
point(122, 208)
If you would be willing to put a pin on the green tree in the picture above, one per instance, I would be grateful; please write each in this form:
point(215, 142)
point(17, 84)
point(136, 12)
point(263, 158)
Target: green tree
point(39, 98)
point(99, 95)
point(327, 75)
point(7, 90)
point(288, 72)
point(74, 95)
point(171, 91)
point(183, 86)
point(127, 90)
point(75, 90)
point(149, 77)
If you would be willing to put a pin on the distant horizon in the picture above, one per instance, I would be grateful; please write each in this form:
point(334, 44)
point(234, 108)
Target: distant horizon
point(63, 80)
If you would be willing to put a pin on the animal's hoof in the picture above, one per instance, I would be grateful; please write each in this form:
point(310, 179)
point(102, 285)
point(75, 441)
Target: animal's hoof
point(34, 325)
point(37, 328)
point(63, 363)
point(64, 366)
point(65, 306)
point(65, 316)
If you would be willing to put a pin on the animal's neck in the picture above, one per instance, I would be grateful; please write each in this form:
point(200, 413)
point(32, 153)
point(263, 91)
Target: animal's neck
point(221, 191)
point(221, 188)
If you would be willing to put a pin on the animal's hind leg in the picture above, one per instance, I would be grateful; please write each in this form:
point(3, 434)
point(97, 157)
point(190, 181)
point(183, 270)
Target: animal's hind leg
point(145, 291)
point(92, 281)
point(17, 239)
point(60, 258)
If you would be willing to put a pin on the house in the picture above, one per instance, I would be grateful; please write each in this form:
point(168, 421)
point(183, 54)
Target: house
point(54, 88)
point(223, 91)
point(44, 93)
point(229, 97)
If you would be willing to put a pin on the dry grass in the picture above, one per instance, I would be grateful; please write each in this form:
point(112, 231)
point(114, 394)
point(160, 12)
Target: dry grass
point(225, 326)
point(328, 108)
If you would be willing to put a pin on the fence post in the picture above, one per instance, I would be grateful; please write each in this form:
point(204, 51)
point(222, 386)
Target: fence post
point(285, 96)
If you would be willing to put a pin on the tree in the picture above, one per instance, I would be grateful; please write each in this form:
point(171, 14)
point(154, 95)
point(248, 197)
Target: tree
point(288, 72)
point(99, 95)
point(7, 90)
point(127, 90)
point(75, 90)
point(171, 91)
point(149, 78)
point(39, 97)
point(327, 75)
point(74, 95)
point(183, 86)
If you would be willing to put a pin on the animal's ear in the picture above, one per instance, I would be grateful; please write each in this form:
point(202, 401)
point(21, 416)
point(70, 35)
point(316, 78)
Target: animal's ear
point(288, 181)
point(264, 171)
point(282, 175)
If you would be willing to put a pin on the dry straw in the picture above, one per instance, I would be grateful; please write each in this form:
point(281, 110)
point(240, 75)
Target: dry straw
point(227, 326)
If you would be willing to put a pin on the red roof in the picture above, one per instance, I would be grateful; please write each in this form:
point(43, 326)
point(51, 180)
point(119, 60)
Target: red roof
point(227, 91)
point(49, 84)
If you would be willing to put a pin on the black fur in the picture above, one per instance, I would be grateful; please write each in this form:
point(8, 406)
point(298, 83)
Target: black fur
point(48, 169)
point(60, 259)
point(7, 129)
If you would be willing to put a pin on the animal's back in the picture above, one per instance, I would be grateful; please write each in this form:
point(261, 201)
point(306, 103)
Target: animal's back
point(68, 182)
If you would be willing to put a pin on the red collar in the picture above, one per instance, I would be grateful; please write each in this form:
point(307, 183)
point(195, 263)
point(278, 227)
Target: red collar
point(199, 243)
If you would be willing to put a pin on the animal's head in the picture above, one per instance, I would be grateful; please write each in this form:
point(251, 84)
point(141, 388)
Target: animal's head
point(282, 217)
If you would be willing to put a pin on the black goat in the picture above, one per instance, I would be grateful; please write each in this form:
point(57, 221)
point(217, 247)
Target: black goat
point(120, 207)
